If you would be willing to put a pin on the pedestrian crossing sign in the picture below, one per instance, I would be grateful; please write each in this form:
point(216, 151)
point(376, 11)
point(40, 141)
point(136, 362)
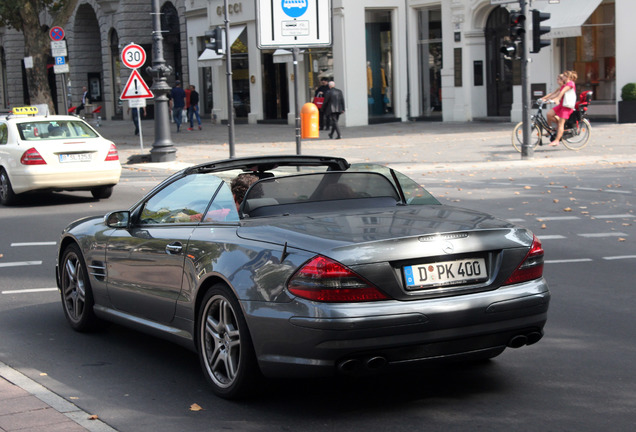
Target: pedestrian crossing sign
point(136, 88)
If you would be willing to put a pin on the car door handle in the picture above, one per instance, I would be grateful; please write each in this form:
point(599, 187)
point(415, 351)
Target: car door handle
point(174, 248)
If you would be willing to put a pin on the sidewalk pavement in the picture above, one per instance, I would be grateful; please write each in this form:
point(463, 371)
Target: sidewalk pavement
point(28, 406)
point(414, 147)
point(409, 147)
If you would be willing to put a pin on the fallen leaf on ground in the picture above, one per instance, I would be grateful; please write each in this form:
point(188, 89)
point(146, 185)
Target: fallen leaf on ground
point(195, 407)
point(93, 417)
point(567, 209)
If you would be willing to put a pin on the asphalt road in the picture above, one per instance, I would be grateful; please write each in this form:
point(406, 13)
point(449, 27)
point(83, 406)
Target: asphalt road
point(578, 378)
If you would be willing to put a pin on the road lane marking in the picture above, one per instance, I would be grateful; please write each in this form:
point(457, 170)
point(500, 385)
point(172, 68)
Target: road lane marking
point(29, 290)
point(557, 218)
point(564, 261)
point(607, 234)
point(34, 244)
point(551, 237)
point(616, 216)
point(516, 220)
point(620, 257)
point(20, 263)
point(617, 191)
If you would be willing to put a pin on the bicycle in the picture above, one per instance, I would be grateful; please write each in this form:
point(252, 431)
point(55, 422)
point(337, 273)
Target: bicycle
point(576, 133)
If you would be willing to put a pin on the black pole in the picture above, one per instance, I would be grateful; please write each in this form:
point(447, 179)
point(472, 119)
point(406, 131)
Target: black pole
point(297, 112)
point(163, 149)
point(230, 90)
point(527, 151)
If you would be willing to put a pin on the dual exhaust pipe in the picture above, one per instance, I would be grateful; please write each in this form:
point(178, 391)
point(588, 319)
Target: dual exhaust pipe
point(525, 339)
point(375, 363)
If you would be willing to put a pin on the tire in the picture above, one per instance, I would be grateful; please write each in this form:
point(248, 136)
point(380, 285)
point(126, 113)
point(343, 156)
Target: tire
point(76, 291)
point(577, 142)
point(224, 344)
point(517, 136)
point(102, 192)
point(7, 196)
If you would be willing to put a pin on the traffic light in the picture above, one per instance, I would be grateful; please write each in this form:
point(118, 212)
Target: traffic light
point(538, 30)
point(214, 40)
point(517, 26)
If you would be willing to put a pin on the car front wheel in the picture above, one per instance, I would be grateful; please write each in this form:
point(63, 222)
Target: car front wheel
point(102, 192)
point(7, 196)
point(77, 295)
point(224, 344)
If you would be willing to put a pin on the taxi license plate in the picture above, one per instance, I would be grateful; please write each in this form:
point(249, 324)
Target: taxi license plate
point(75, 157)
point(445, 273)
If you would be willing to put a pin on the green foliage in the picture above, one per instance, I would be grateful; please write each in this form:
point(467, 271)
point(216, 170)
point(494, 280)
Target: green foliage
point(628, 93)
point(11, 11)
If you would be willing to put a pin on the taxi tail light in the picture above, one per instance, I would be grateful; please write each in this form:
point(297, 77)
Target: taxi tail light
point(32, 157)
point(531, 267)
point(112, 154)
point(325, 280)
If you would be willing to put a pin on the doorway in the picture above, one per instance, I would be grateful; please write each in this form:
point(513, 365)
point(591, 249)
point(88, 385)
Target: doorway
point(500, 73)
point(275, 90)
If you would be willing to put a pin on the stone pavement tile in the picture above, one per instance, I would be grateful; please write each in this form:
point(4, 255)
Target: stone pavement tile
point(21, 404)
point(46, 419)
point(9, 391)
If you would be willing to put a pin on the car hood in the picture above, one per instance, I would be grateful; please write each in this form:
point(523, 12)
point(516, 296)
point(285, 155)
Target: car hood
point(394, 232)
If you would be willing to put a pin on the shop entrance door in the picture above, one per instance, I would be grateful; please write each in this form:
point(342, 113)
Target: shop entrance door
point(499, 71)
point(275, 90)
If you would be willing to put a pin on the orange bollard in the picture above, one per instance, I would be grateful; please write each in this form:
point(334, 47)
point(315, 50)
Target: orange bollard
point(309, 121)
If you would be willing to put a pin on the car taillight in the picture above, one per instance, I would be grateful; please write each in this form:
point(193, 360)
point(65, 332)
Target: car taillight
point(32, 157)
point(112, 154)
point(531, 267)
point(325, 280)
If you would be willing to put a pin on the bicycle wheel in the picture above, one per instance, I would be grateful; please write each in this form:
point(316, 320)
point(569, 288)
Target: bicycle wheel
point(517, 136)
point(580, 136)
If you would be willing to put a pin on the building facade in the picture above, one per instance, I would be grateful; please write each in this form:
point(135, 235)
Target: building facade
point(95, 36)
point(395, 60)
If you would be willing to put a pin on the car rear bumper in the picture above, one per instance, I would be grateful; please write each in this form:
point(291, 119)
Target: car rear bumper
point(396, 333)
point(82, 178)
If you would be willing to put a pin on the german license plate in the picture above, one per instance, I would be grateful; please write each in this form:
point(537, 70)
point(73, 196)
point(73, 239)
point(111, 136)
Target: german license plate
point(75, 157)
point(446, 273)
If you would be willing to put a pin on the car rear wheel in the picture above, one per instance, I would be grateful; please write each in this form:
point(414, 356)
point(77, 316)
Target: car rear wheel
point(7, 196)
point(102, 192)
point(77, 295)
point(224, 344)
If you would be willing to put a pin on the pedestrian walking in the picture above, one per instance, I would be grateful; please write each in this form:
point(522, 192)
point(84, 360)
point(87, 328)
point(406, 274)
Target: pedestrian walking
point(319, 100)
point(193, 109)
point(84, 101)
point(334, 106)
point(135, 117)
point(177, 103)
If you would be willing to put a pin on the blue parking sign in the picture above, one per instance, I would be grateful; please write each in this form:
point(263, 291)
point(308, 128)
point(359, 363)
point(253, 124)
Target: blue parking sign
point(60, 60)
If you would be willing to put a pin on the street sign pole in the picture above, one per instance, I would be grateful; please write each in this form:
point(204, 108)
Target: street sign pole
point(230, 90)
point(527, 152)
point(297, 110)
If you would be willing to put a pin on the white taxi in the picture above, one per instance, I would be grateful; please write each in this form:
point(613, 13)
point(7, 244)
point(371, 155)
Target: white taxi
point(54, 152)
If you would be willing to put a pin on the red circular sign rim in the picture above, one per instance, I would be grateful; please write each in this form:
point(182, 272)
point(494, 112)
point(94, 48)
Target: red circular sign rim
point(53, 29)
point(125, 50)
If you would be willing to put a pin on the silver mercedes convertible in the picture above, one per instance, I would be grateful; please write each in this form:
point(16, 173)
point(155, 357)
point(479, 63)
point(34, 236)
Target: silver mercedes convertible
point(321, 267)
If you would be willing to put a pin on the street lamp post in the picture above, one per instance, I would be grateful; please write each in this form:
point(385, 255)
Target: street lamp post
point(163, 149)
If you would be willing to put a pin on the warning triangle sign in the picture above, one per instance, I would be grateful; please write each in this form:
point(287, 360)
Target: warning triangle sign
point(136, 88)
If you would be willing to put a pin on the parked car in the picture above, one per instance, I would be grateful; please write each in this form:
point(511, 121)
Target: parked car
point(54, 152)
point(324, 268)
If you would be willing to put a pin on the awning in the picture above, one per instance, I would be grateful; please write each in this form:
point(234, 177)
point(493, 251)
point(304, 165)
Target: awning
point(567, 17)
point(285, 56)
point(210, 58)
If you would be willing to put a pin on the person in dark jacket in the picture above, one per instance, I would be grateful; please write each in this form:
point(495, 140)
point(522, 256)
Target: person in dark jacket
point(193, 109)
point(334, 106)
point(322, 92)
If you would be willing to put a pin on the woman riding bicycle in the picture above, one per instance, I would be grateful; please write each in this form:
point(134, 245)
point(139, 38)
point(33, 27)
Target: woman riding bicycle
point(560, 113)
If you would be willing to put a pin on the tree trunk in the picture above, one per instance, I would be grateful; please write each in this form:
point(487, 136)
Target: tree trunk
point(36, 45)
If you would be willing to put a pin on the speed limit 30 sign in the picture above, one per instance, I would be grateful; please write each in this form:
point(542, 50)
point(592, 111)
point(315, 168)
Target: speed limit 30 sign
point(133, 56)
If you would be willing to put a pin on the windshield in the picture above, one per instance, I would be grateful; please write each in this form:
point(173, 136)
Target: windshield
point(413, 192)
point(54, 129)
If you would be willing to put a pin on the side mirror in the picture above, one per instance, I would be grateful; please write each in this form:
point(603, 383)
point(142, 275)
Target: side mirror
point(118, 219)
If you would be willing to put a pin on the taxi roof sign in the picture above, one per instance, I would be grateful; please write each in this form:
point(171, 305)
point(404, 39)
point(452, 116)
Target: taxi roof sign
point(25, 110)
